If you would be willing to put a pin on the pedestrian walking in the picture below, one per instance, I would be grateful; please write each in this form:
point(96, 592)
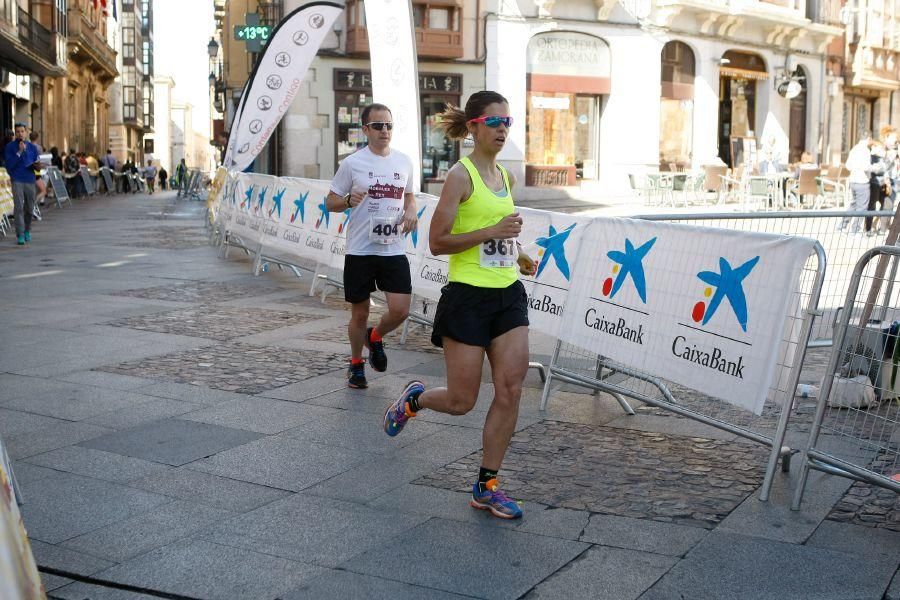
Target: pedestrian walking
point(483, 309)
point(163, 178)
point(22, 158)
point(859, 163)
point(180, 173)
point(375, 184)
point(150, 176)
point(71, 167)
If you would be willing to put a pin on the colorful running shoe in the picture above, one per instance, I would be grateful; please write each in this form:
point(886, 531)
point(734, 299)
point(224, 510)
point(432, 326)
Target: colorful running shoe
point(377, 357)
point(27, 236)
point(356, 376)
point(398, 412)
point(494, 500)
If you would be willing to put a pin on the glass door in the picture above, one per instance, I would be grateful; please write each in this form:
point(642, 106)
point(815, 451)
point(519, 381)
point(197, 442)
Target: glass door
point(439, 153)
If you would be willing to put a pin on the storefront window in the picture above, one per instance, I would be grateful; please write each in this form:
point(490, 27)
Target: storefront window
point(568, 74)
point(676, 110)
point(738, 77)
point(353, 91)
point(439, 152)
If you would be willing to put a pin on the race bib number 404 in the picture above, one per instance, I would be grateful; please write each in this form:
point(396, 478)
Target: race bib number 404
point(384, 230)
point(498, 253)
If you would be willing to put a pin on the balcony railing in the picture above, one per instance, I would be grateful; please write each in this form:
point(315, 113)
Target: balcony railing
point(876, 67)
point(827, 12)
point(430, 43)
point(36, 35)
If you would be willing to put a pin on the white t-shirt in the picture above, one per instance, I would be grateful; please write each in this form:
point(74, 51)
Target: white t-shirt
point(373, 227)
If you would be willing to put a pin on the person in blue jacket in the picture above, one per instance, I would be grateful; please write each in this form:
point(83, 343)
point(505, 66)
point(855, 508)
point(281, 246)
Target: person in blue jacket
point(22, 158)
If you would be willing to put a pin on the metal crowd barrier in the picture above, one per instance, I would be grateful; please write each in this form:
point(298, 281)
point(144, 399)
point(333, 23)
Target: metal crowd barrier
point(573, 365)
point(856, 428)
point(842, 248)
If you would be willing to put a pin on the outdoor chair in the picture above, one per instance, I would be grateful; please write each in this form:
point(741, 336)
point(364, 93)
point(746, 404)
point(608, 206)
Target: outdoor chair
point(694, 188)
point(643, 186)
point(830, 193)
point(733, 185)
point(712, 177)
point(761, 192)
point(805, 185)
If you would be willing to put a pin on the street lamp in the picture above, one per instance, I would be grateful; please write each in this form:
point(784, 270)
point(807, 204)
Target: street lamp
point(212, 48)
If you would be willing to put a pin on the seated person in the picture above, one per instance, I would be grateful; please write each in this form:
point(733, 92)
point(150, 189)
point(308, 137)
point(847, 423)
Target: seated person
point(806, 162)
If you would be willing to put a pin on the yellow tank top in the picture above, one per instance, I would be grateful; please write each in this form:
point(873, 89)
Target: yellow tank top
point(483, 209)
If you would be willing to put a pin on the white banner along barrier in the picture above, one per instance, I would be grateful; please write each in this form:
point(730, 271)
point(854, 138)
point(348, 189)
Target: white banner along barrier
point(701, 307)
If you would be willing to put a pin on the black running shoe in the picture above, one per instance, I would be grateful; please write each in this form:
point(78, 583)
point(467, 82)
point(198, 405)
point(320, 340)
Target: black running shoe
point(356, 376)
point(377, 357)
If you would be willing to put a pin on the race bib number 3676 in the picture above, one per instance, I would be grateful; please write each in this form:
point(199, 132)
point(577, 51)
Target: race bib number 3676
point(498, 253)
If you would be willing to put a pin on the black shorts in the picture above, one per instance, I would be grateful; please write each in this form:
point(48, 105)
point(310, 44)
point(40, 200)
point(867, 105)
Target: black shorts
point(364, 274)
point(475, 315)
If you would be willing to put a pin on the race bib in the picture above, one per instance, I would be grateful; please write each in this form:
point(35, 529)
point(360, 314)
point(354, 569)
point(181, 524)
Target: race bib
point(384, 230)
point(498, 253)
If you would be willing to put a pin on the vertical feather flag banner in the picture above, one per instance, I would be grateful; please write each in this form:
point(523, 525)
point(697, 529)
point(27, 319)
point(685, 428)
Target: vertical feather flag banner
point(395, 75)
point(276, 79)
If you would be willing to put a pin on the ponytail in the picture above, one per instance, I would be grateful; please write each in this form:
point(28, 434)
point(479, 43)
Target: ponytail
point(453, 123)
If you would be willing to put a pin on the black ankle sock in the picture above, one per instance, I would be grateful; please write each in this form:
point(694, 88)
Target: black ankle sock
point(485, 475)
point(413, 402)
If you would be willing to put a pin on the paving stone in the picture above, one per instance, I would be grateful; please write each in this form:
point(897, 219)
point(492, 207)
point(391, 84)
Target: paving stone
point(155, 409)
point(153, 529)
point(210, 490)
point(15, 422)
point(638, 534)
point(172, 442)
point(604, 574)
point(309, 529)
point(57, 435)
point(856, 539)
point(309, 388)
point(214, 322)
point(97, 464)
point(52, 582)
point(281, 462)
point(353, 586)
point(735, 566)
point(449, 556)
point(207, 292)
point(261, 415)
point(358, 431)
point(893, 591)
point(186, 392)
point(85, 591)
point(372, 479)
point(77, 403)
point(106, 380)
point(26, 473)
point(64, 559)
point(233, 367)
point(418, 339)
point(206, 570)
point(63, 506)
point(870, 505)
point(673, 479)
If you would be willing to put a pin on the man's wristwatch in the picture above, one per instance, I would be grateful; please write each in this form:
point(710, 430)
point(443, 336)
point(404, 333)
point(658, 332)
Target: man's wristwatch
point(347, 201)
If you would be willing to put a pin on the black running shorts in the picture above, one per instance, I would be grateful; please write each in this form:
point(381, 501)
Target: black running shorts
point(364, 274)
point(475, 316)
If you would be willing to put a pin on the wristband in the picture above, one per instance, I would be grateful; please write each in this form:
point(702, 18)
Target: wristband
point(347, 200)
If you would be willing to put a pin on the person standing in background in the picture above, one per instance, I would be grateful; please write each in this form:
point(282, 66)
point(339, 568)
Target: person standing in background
point(150, 176)
point(22, 158)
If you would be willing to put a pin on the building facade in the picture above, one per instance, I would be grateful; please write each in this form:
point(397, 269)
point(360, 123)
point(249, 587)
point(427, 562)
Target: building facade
point(129, 122)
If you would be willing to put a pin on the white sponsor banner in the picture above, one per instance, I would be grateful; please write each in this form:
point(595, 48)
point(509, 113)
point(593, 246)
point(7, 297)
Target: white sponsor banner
point(243, 221)
point(276, 79)
point(553, 240)
point(395, 74)
point(702, 307)
point(430, 272)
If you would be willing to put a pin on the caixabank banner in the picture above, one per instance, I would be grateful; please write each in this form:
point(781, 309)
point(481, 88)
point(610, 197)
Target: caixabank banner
point(702, 307)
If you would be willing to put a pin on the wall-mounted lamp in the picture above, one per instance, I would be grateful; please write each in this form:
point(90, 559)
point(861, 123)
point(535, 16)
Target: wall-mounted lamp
point(212, 48)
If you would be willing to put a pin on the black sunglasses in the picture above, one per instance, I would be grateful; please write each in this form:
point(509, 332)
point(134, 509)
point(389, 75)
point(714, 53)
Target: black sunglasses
point(379, 125)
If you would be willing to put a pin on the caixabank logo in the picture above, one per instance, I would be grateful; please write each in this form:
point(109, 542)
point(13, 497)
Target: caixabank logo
point(723, 354)
point(553, 248)
point(248, 196)
point(728, 284)
point(276, 202)
point(260, 200)
point(300, 208)
point(324, 215)
point(626, 322)
point(628, 264)
point(343, 224)
point(414, 234)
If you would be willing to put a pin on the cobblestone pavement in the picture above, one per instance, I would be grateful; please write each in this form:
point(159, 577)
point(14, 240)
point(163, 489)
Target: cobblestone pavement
point(207, 292)
point(869, 505)
point(215, 322)
point(690, 481)
point(233, 367)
